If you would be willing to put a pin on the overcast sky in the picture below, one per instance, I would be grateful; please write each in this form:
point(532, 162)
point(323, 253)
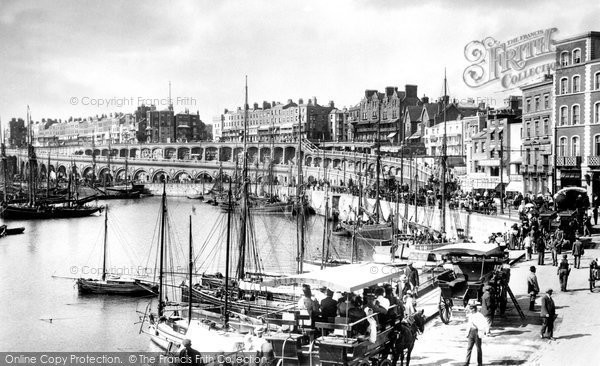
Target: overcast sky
point(54, 51)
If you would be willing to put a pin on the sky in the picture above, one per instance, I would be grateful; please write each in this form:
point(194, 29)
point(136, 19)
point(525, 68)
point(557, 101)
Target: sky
point(84, 58)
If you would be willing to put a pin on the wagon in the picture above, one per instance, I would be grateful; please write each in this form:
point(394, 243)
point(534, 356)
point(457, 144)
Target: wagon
point(472, 265)
point(332, 342)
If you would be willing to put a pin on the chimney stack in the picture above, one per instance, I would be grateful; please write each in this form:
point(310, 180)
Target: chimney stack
point(300, 101)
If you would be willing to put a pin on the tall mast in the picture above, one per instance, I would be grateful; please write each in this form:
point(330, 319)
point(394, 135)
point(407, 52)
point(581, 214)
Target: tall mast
point(272, 159)
point(32, 161)
point(378, 165)
point(94, 156)
point(4, 167)
point(244, 200)
point(191, 268)
point(325, 228)
point(444, 158)
point(227, 249)
point(300, 195)
point(105, 242)
point(48, 176)
point(163, 216)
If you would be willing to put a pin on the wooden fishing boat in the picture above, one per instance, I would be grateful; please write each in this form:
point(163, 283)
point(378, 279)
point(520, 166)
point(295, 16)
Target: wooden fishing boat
point(114, 285)
point(4, 230)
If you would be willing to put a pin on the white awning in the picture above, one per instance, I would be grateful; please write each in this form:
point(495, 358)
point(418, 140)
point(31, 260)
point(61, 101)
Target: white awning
point(392, 135)
point(514, 187)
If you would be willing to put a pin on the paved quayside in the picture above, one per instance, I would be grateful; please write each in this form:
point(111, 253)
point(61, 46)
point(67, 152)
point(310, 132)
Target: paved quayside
point(516, 342)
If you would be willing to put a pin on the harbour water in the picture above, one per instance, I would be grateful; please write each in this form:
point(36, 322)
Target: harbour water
point(42, 308)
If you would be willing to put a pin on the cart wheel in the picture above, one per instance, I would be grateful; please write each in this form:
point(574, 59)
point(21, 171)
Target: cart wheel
point(445, 308)
point(385, 362)
point(364, 362)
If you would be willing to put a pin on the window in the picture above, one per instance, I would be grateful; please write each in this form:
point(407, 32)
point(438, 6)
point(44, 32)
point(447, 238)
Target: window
point(576, 80)
point(546, 101)
point(528, 156)
point(546, 127)
point(537, 104)
point(528, 130)
point(562, 147)
point(576, 56)
point(597, 112)
point(476, 147)
point(483, 147)
point(528, 105)
point(564, 59)
point(597, 81)
point(564, 86)
point(536, 130)
point(563, 116)
point(575, 115)
point(597, 145)
point(575, 146)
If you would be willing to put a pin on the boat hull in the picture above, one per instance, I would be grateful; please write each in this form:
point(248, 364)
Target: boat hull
point(35, 213)
point(115, 287)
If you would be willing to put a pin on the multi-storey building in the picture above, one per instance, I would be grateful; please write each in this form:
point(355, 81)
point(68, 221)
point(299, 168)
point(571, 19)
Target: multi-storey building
point(17, 132)
point(189, 127)
point(381, 114)
point(278, 121)
point(160, 125)
point(490, 160)
point(338, 124)
point(577, 112)
point(537, 136)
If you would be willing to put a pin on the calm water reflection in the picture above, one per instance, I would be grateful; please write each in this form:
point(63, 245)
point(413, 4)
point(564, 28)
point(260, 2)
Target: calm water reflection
point(42, 309)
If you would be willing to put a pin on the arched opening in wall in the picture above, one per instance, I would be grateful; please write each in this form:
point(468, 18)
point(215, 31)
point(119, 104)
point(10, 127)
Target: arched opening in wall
point(308, 161)
point(310, 179)
point(197, 152)
point(52, 172)
point(105, 176)
point(62, 173)
point(160, 176)
point(88, 152)
point(134, 153)
point(227, 152)
point(97, 152)
point(123, 153)
point(203, 177)
point(211, 154)
point(43, 171)
point(88, 173)
point(278, 155)
point(120, 176)
point(265, 154)
point(289, 156)
point(238, 155)
point(182, 177)
point(104, 152)
point(141, 176)
point(157, 153)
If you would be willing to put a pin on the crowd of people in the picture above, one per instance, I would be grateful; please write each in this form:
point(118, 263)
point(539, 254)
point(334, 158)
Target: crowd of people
point(388, 302)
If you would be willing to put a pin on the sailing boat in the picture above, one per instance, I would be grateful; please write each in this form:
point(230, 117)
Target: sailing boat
point(375, 230)
point(114, 285)
point(173, 323)
point(41, 210)
point(251, 301)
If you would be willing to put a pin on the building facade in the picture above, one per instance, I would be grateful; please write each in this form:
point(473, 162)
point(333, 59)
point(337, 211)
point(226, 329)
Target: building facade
point(338, 124)
point(538, 131)
point(577, 112)
point(380, 116)
point(278, 122)
point(17, 132)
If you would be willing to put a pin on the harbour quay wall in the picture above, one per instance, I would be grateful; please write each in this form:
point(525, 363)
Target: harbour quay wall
point(476, 225)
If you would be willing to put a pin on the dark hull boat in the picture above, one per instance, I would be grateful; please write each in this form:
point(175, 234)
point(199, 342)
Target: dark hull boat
point(116, 286)
point(12, 212)
point(11, 231)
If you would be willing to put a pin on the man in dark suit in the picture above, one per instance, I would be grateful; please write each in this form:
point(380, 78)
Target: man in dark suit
point(328, 306)
point(487, 304)
point(577, 252)
point(548, 314)
point(413, 278)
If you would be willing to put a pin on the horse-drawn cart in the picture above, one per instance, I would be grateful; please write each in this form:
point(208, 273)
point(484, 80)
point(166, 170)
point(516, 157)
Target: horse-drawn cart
point(472, 265)
point(336, 341)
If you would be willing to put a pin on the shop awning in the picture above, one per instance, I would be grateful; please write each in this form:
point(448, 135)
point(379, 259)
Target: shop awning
point(392, 135)
point(514, 187)
point(498, 187)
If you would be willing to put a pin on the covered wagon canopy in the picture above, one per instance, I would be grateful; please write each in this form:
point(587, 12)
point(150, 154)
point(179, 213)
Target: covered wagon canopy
point(471, 250)
point(348, 278)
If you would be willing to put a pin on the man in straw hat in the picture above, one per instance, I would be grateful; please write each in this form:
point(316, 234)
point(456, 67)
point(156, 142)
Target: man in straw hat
point(478, 327)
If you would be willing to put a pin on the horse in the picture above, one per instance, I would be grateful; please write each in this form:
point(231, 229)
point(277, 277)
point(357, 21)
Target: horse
point(404, 335)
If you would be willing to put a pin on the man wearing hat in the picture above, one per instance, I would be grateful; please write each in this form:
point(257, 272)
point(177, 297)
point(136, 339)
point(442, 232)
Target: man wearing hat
point(488, 307)
point(532, 287)
point(413, 278)
point(563, 272)
point(188, 355)
point(478, 327)
point(548, 314)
